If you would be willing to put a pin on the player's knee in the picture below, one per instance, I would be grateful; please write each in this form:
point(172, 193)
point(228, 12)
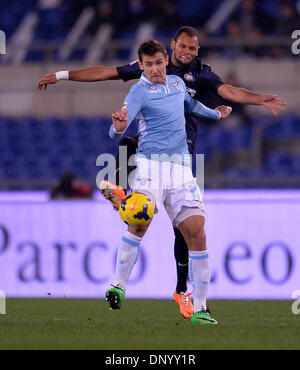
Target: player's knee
point(198, 239)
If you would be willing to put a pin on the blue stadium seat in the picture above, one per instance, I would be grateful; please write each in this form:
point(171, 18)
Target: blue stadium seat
point(8, 21)
point(237, 172)
point(288, 126)
point(295, 164)
point(277, 163)
point(231, 140)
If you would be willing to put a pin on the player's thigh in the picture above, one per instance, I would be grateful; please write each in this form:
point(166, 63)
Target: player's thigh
point(183, 203)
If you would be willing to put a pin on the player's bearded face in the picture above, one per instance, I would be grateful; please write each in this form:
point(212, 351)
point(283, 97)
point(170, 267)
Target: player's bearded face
point(155, 67)
point(184, 49)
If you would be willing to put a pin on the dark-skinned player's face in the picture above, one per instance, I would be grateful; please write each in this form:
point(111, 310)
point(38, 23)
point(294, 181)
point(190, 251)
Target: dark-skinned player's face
point(184, 50)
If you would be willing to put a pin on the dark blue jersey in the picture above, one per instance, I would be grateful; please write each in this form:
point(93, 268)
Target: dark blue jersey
point(199, 79)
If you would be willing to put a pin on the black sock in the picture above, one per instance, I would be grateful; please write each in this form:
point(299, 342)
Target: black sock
point(182, 261)
point(131, 144)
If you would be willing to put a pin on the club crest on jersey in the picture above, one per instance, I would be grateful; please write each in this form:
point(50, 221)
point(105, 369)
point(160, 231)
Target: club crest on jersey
point(143, 181)
point(189, 77)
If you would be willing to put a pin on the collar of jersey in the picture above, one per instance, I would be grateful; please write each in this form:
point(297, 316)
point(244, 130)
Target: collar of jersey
point(144, 78)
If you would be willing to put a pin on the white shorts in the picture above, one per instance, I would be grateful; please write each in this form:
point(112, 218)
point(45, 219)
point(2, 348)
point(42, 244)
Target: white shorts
point(171, 184)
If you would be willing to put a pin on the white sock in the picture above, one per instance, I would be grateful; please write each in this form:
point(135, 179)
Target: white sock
point(199, 272)
point(126, 259)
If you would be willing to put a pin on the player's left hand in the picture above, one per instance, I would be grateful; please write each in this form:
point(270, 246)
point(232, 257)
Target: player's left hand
point(224, 110)
point(120, 120)
point(274, 103)
point(47, 79)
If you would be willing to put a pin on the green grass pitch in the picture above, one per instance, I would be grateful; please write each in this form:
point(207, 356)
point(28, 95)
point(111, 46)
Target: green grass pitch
point(146, 324)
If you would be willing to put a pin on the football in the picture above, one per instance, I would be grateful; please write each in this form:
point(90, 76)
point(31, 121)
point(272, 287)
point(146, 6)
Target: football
point(136, 209)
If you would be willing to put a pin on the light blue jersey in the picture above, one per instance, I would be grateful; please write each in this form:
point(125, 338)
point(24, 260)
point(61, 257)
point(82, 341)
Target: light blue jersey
point(159, 109)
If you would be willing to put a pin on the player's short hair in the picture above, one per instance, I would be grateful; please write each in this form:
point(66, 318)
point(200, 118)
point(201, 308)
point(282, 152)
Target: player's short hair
point(151, 47)
point(190, 31)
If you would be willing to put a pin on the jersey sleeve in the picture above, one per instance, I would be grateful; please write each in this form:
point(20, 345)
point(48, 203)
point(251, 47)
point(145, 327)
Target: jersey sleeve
point(198, 109)
point(213, 81)
point(129, 71)
point(133, 105)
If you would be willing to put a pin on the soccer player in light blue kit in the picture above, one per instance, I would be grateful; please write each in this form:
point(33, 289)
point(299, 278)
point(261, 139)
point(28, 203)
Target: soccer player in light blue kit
point(158, 101)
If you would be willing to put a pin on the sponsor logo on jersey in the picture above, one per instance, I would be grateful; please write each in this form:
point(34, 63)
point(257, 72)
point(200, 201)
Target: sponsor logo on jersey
point(189, 77)
point(153, 89)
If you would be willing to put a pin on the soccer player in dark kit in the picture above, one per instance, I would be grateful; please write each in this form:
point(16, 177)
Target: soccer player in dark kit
point(200, 81)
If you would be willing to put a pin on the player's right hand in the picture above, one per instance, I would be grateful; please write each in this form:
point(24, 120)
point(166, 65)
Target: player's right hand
point(120, 120)
point(47, 79)
point(224, 110)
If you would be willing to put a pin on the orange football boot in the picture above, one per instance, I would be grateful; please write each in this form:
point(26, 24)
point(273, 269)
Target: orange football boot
point(185, 304)
point(114, 193)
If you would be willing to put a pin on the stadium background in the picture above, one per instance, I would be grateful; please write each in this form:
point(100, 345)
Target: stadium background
point(252, 160)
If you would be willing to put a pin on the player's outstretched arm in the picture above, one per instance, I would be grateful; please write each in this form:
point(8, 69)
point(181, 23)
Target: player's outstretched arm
point(274, 103)
point(90, 74)
point(244, 96)
point(198, 109)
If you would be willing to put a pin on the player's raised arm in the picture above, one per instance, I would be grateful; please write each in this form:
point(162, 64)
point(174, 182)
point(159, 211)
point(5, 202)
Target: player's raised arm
point(120, 121)
point(91, 74)
point(130, 109)
point(198, 109)
point(244, 96)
